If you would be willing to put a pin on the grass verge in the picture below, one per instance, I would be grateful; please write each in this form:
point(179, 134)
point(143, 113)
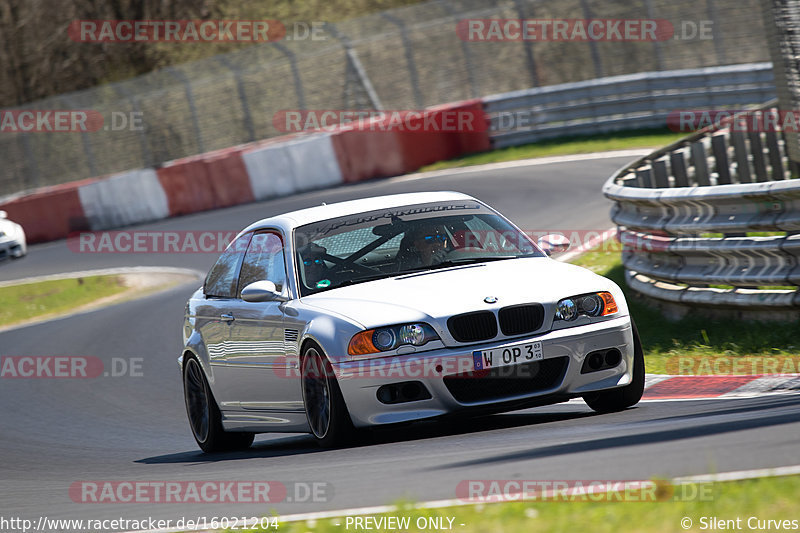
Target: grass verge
point(565, 146)
point(746, 343)
point(19, 303)
point(752, 500)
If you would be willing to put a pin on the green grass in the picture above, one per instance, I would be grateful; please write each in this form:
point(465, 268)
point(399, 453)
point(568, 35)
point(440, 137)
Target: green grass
point(32, 300)
point(765, 498)
point(565, 146)
point(745, 343)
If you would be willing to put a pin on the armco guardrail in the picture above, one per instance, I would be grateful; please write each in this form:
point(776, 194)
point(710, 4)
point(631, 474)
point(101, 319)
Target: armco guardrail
point(633, 101)
point(692, 218)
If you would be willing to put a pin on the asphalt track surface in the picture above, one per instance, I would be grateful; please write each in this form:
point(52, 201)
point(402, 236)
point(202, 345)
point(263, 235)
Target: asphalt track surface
point(54, 432)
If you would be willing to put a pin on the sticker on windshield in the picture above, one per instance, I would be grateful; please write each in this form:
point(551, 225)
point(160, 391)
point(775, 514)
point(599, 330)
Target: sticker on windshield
point(323, 283)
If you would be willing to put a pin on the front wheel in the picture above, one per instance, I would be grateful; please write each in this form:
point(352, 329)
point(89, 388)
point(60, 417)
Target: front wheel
point(325, 408)
point(204, 416)
point(623, 397)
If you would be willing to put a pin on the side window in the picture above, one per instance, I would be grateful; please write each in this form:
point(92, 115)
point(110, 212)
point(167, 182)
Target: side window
point(264, 261)
point(221, 279)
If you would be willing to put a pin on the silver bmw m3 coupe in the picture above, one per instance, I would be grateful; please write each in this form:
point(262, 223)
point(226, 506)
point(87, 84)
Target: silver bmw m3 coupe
point(395, 309)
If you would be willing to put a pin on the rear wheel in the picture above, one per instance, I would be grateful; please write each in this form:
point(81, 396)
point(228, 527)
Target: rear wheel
point(623, 397)
point(204, 416)
point(325, 408)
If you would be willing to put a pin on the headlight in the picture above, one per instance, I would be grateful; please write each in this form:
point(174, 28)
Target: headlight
point(391, 338)
point(592, 305)
point(384, 339)
point(566, 309)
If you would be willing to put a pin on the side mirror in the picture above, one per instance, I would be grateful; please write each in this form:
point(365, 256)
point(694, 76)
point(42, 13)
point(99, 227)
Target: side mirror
point(3, 214)
point(262, 291)
point(553, 243)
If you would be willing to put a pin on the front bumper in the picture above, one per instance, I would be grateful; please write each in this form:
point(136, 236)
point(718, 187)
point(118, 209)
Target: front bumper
point(360, 380)
point(11, 249)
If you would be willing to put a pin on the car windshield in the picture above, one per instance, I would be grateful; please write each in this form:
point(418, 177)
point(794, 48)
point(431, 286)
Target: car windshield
point(390, 242)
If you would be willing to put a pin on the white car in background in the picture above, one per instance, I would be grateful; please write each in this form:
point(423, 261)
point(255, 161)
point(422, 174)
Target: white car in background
point(12, 238)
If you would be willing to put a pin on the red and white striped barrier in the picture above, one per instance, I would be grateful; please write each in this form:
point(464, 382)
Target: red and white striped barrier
point(241, 174)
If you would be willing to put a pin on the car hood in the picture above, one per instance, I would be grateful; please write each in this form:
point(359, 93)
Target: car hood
point(9, 228)
point(438, 294)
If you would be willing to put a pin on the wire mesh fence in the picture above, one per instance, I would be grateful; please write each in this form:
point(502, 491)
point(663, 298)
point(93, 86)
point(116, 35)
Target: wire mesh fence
point(406, 58)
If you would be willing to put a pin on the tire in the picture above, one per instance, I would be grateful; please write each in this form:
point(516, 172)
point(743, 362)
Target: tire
point(204, 416)
point(614, 400)
point(325, 409)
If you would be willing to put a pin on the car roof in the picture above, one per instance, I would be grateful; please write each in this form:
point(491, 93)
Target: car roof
point(310, 215)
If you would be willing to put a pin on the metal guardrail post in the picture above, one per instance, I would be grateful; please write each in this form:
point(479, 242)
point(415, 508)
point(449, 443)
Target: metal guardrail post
point(358, 68)
point(775, 157)
point(91, 163)
point(298, 82)
point(700, 163)
point(719, 44)
point(757, 154)
point(187, 87)
point(743, 174)
point(475, 90)
point(678, 164)
point(409, 55)
point(657, 50)
point(644, 178)
point(247, 116)
point(660, 176)
point(147, 156)
point(30, 162)
point(528, 46)
point(598, 64)
point(719, 146)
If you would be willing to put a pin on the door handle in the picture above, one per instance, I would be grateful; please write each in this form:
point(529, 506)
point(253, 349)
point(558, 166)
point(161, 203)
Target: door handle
point(227, 317)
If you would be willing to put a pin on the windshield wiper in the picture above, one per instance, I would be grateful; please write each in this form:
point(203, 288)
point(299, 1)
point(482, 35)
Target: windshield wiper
point(364, 279)
point(459, 262)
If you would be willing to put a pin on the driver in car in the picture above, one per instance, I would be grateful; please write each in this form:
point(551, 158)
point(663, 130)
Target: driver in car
point(423, 246)
point(314, 269)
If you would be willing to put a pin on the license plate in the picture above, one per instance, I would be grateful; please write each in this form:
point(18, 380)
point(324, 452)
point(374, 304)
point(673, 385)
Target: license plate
point(507, 355)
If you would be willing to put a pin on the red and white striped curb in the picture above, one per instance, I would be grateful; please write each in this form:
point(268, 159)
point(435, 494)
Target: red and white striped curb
point(665, 387)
